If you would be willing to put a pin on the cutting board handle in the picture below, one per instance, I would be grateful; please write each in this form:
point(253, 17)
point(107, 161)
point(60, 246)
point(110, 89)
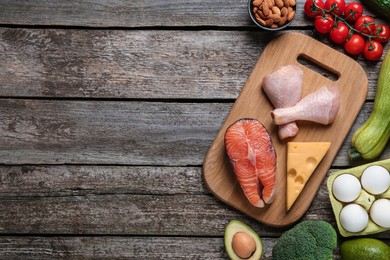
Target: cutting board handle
point(299, 46)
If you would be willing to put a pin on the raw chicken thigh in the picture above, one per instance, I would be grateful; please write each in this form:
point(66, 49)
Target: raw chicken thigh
point(284, 88)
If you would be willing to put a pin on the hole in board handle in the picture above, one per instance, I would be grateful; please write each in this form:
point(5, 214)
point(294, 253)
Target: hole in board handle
point(318, 67)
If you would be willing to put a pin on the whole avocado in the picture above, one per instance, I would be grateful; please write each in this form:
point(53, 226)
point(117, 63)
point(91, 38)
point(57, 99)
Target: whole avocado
point(364, 249)
point(382, 7)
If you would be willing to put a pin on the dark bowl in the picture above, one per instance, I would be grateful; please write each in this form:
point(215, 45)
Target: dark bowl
point(253, 17)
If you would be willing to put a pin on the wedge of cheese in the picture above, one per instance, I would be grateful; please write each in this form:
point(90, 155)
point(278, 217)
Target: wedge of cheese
point(302, 159)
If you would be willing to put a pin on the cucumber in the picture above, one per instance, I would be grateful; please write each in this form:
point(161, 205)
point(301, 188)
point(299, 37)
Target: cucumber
point(369, 141)
point(380, 6)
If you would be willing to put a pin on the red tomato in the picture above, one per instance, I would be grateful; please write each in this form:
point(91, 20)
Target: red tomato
point(337, 6)
point(340, 33)
point(373, 50)
point(324, 24)
point(365, 24)
point(313, 8)
point(354, 45)
point(383, 33)
point(353, 11)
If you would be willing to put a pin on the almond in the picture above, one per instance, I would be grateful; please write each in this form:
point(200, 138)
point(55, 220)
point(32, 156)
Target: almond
point(286, 3)
point(274, 17)
point(283, 20)
point(290, 15)
point(269, 22)
point(279, 3)
point(276, 10)
point(293, 2)
point(261, 21)
point(257, 2)
point(266, 9)
point(261, 14)
point(284, 11)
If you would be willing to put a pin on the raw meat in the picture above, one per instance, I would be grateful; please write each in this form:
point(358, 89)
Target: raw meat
point(253, 157)
point(320, 106)
point(284, 88)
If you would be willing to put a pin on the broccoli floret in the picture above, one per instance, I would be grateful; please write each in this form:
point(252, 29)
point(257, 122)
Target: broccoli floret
point(309, 240)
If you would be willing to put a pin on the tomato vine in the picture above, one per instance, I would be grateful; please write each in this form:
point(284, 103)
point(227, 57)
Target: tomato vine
point(346, 22)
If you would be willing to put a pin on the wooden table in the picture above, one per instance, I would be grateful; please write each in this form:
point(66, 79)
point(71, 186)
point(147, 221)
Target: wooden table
point(107, 111)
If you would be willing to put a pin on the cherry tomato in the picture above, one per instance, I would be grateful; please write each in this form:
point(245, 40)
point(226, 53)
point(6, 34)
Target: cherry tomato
point(373, 50)
point(340, 33)
point(353, 11)
point(324, 24)
point(383, 33)
point(312, 8)
point(365, 24)
point(354, 45)
point(337, 6)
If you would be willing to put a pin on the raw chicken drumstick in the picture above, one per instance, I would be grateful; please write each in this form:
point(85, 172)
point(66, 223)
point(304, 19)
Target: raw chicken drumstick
point(320, 106)
point(284, 88)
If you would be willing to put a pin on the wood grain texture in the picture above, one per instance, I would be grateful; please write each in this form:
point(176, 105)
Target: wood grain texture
point(108, 132)
point(128, 13)
point(71, 200)
point(79, 180)
point(115, 247)
point(133, 14)
point(70, 63)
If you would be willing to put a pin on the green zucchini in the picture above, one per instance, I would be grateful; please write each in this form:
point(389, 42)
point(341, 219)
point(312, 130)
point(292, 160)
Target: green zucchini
point(380, 6)
point(369, 141)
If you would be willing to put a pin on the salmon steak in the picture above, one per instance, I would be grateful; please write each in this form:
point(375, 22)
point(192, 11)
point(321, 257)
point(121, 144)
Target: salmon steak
point(253, 157)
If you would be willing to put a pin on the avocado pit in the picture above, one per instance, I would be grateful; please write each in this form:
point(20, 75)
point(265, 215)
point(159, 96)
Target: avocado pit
point(242, 242)
point(243, 245)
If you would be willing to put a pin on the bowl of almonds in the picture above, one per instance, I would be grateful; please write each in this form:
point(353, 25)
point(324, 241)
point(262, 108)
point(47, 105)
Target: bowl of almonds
point(272, 15)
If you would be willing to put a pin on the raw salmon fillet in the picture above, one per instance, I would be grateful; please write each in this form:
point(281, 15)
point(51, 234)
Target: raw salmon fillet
point(253, 157)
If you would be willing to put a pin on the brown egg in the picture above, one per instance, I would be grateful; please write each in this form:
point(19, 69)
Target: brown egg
point(243, 245)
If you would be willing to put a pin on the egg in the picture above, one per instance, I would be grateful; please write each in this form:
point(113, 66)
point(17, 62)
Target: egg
point(346, 187)
point(380, 212)
point(354, 218)
point(375, 179)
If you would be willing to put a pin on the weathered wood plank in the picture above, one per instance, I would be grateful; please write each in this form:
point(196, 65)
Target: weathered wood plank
point(105, 132)
point(39, 131)
point(71, 200)
point(132, 14)
point(230, 13)
point(69, 180)
point(113, 247)
point(128, 214)
point(169, 215)
point(133, 64)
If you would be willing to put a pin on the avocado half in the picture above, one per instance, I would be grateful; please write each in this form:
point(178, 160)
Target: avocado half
point(234, 227)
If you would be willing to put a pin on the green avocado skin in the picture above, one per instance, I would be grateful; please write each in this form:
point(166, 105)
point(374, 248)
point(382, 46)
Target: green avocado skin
point(380, 6)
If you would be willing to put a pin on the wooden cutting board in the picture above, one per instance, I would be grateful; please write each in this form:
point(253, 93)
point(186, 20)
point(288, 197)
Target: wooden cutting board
point(252, 102)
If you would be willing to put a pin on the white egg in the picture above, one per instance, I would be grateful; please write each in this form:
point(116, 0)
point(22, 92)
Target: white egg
point(354, 218)
point(346, 187)
point(380, 212)
point(375, 179)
